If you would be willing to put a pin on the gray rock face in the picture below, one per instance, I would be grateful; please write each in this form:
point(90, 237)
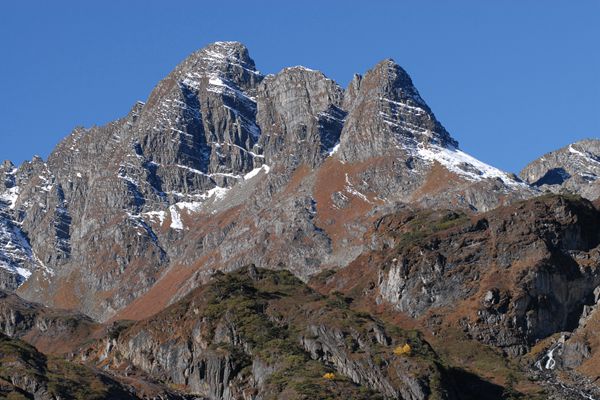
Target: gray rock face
point(301, 117)
point(29, 374)
point(575, 168)
point(17, 260)
point(387, 112)
point(105, 186)
point(531, 277)
point(50, 330)
point(325, 343)
point(199, 124)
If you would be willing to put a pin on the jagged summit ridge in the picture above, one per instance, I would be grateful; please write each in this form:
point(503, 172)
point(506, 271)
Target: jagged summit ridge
point(386, 111)
point(223, 166)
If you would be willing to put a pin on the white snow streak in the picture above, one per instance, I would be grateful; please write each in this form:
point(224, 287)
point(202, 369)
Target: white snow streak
point(176, 222)
point(350, 189)
point(583, 155)
point(256, 171)
point(463, 164)
point(334, 150)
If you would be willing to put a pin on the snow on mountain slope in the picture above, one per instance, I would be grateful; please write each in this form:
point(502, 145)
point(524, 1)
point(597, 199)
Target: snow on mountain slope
point(464, 164)
point(17, 259)
point(16, 256)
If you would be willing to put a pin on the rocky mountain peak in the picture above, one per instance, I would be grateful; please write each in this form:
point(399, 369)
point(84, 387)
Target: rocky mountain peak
point(193, 211)
point(216, 139)
point(228, 53)
point(386, 112)
point(7, 165)
point(225, 60)
point(300, 113)
point(574, 168)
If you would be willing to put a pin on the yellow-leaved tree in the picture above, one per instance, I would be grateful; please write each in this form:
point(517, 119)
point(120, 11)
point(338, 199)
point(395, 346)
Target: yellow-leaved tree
point(403, 350)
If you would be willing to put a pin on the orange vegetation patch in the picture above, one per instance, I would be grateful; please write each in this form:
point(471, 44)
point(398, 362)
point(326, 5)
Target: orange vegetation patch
point(65, 295)
point(590, 335)
point(157, 297)
point(335, 177)
point(201, 223)
point(296, 179)
point(64, 343)
point(438, 180)
point(175, 278)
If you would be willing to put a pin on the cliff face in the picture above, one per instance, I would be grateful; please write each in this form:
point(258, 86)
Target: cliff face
point(26, 373)
point(186, 179)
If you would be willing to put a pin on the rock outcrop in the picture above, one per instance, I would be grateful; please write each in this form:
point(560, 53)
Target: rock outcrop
point(301, 117)
point(510, 277)
point(574, 168)
point(26, 373)
point(51, 331)
point(260, 334)
point(386, 113)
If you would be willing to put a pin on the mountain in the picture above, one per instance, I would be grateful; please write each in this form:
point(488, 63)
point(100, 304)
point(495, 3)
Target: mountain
point(179, 187)
point(232, 209)
point(574, 168)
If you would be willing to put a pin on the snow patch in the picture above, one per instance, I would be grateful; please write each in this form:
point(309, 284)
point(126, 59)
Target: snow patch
point(417, 110)
point(463, 164)
point(256, 171)
point(176, 222)
point(334, 150)
point(583, 155)
point(16, 254)
point(302, 67)
point(216, 81)
point(154, 215)
point(192, 170)
point(10, 196)
point(191, 206)
point(243, 149)
point(218, 85)
point(25, 273)
point(217, 192)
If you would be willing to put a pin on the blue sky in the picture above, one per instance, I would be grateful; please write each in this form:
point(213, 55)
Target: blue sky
point(510, 80)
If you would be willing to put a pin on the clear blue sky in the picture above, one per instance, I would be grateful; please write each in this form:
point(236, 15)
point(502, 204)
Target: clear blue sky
point(510, 80)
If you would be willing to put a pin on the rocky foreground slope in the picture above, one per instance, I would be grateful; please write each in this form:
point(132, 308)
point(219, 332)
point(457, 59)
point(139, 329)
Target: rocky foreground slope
point(128, 250)
point(444, 305)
